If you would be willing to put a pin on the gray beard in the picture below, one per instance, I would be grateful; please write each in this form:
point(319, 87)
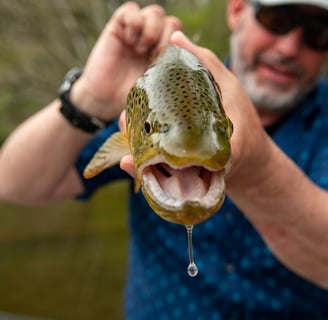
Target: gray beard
point(266, 96)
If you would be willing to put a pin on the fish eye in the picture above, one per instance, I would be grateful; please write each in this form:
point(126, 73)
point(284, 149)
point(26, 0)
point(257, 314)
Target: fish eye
point(148, 127)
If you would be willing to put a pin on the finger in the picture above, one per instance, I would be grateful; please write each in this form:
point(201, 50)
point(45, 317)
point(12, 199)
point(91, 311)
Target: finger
point(172, 24)
point(127, 165)
point(153, 18)
point(127, 22)
point(180, 39)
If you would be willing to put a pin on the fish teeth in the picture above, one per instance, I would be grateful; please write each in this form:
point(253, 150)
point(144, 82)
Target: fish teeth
point(171, 195)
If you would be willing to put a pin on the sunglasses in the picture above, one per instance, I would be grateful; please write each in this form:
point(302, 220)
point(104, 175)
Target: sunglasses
point(282, 19)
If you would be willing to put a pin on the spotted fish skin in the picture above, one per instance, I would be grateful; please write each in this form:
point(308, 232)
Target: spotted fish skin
point(179, 103)
point(179, 136)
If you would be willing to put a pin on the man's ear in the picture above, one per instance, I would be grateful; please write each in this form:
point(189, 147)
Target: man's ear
point(234, 9)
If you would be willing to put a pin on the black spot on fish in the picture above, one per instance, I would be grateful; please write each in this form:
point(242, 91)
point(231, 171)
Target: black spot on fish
point(165, 128)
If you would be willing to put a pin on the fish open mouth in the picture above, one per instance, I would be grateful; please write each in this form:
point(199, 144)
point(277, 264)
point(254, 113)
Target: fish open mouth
point(174, 189)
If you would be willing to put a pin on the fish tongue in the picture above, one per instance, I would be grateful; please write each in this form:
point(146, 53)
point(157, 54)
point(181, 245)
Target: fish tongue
point(185, 184)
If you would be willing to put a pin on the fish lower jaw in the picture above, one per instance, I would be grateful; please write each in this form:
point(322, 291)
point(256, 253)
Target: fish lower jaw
point(186, 196)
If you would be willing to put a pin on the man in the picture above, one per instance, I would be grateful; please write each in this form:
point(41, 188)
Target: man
point(264, 254)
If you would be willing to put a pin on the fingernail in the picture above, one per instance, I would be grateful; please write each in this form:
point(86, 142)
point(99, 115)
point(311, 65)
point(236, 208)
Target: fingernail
point(179, 35)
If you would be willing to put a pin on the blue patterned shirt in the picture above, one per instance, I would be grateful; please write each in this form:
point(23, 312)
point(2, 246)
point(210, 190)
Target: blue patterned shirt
point(238, 277)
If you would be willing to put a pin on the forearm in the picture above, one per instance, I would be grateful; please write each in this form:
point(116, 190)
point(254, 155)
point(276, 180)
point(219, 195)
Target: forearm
point(37, 159)
point(288, 210)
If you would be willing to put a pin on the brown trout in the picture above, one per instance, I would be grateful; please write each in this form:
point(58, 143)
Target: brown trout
point(179, 136)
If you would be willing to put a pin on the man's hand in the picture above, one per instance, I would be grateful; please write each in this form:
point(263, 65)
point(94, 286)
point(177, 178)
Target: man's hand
point(121, 55)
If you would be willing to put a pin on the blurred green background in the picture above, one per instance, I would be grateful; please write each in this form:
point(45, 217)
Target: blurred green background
point(68, 261)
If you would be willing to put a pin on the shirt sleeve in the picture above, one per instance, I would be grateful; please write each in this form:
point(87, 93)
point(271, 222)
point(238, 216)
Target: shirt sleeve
point(108, 175)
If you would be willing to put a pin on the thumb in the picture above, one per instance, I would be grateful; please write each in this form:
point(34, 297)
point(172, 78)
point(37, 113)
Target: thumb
point(206, 56)
point(178, 38)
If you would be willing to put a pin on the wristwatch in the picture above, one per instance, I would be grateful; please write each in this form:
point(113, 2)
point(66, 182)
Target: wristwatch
point(72, 114)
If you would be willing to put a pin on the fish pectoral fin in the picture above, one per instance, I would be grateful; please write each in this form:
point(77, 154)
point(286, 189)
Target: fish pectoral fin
point(108, 155)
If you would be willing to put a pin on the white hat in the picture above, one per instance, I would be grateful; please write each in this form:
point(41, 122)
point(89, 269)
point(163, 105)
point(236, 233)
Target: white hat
point(318, 3)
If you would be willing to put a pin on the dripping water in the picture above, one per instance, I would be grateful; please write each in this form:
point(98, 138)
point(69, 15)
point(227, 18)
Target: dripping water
point(192, 267)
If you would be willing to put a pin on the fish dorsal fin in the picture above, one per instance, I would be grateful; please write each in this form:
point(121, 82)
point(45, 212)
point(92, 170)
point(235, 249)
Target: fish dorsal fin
point(108, 155)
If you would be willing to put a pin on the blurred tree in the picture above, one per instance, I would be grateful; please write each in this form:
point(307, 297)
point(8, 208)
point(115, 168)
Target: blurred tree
point(40, 41)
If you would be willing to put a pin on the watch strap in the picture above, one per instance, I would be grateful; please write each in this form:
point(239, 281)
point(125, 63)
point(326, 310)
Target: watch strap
point(72, 114)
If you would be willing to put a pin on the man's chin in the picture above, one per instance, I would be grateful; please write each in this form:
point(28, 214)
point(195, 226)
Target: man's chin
point(272, 96)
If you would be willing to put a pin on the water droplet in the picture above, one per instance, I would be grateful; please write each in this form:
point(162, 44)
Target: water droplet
point(192, 267)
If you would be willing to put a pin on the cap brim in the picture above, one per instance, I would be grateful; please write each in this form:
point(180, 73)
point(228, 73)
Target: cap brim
point(318, 3)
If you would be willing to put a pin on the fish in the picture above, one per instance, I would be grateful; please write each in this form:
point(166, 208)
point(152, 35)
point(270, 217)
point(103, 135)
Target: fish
point(179, 136)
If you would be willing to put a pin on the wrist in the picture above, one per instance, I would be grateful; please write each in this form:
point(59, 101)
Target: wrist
point(84, 98)
point(76, 116)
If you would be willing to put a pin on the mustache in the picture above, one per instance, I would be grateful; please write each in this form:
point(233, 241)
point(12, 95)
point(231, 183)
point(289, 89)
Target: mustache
point(281, 61)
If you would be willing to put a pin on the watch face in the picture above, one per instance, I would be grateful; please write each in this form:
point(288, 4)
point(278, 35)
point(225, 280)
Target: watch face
point(70, 77)
point(65, 86)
